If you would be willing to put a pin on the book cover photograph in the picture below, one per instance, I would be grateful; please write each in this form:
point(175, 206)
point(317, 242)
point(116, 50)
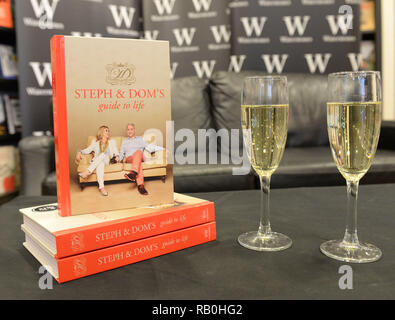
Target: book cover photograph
point(112, 102)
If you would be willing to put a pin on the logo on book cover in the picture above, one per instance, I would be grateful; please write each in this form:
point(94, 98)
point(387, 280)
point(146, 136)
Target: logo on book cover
point(120, 74)
point(46, 208)
point(77, 242)
point(79, 266)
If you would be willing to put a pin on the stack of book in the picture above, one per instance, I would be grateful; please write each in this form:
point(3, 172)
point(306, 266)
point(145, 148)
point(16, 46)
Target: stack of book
point(82, 245)
point(112, 107)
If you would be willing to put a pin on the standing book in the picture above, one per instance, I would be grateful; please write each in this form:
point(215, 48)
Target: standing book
point(62, 237)
point(111, 105)
point(92, 262)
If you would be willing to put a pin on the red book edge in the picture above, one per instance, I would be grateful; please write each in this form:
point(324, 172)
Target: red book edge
point(60, 124)
point(83, 239)
point(86, 264)
point(6, 20)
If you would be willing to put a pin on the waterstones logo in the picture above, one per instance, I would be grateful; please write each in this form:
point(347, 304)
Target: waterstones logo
point(236, 63)
point(205, 68)
point(120, 74)
point(273, 62)
point(238, 4)
point(85, 34)
point(164, 9)
point(43, 75)
point(173, 70)
point(123, 19)
point(296, 24)
point(184, 38)
point(221, 35)
point(253, 28)
point(46, 208)
point(274, 3)
point(150, 34)
point(317, 61)
point(44, 11)
point(355, 61)
point(339, 26)
point(202, 10)
point(318, 2)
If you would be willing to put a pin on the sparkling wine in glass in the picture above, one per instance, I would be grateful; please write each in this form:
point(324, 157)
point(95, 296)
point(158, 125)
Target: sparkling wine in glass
point(354, 119)
point(264, 120)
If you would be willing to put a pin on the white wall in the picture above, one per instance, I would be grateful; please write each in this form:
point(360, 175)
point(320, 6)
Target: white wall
point(388, 58)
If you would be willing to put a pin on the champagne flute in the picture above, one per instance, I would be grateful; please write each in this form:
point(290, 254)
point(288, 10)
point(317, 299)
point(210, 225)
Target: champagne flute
point(354, 119)
point(264, 120)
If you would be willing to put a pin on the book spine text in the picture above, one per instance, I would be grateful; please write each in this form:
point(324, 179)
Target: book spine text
point(79, 240)
point(110, 258)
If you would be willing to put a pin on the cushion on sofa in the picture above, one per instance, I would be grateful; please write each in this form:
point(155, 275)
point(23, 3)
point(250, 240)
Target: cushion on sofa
point(307, 99)
point(190, 106)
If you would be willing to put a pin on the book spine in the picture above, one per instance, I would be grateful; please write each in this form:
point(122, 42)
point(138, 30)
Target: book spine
point(79, 240)
point(60, 124)
point(114, 257)
point(6, 14)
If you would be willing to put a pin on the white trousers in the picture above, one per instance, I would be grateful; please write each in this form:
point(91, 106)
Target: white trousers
point(99, 163)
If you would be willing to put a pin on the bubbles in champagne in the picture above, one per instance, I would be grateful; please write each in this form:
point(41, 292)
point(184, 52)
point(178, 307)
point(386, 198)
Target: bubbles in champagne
point(354, 130)
point(265, 133)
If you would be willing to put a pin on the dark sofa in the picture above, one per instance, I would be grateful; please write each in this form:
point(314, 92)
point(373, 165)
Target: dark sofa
point(215, 104)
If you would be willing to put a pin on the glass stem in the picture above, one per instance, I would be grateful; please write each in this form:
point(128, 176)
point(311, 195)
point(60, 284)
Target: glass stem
point(350, 236)
point(264, 224)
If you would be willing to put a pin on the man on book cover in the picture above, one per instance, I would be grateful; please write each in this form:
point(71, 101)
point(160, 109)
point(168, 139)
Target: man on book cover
point(132, 151)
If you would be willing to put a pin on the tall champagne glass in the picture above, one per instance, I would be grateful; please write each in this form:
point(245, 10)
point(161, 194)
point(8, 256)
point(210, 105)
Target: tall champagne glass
point(354, 119)
point(264, 120)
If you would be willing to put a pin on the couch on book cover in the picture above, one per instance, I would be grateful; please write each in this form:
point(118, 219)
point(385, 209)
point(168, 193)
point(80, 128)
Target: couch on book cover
point(154, 164)
point(215, 104)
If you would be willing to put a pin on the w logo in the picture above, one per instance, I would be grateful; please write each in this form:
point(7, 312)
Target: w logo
point(124, 14)
point(317, 61)
point(204, 68)
point(236, 63)
point(273, 62)
point(85, 34)
point(151, 34)
point(253, 25)
point(42, 72)
point(296, 23)
point(221, 32)
point(44, 8)
point(184, 35)
point(339, 22)
point(164, 6)
point(199, 4)
point(355, 60)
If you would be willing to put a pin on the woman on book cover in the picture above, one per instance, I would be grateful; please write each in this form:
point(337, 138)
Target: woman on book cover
point(132, 151)
point(105, 150)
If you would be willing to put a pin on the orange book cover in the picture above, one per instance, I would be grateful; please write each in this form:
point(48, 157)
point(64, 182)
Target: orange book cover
point(111, 105)
point(86, 264)
point(6, 14)
point(63, 237)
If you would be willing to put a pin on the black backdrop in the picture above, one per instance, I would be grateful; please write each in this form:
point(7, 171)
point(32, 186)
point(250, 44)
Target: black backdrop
point(276, 36)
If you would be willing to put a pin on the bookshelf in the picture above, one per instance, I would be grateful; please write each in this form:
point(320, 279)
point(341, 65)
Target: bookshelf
point(7, 37)
point(371, 34)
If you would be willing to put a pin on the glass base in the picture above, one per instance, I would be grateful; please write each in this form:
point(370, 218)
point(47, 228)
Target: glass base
point(272, 241)
point(357, 253)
